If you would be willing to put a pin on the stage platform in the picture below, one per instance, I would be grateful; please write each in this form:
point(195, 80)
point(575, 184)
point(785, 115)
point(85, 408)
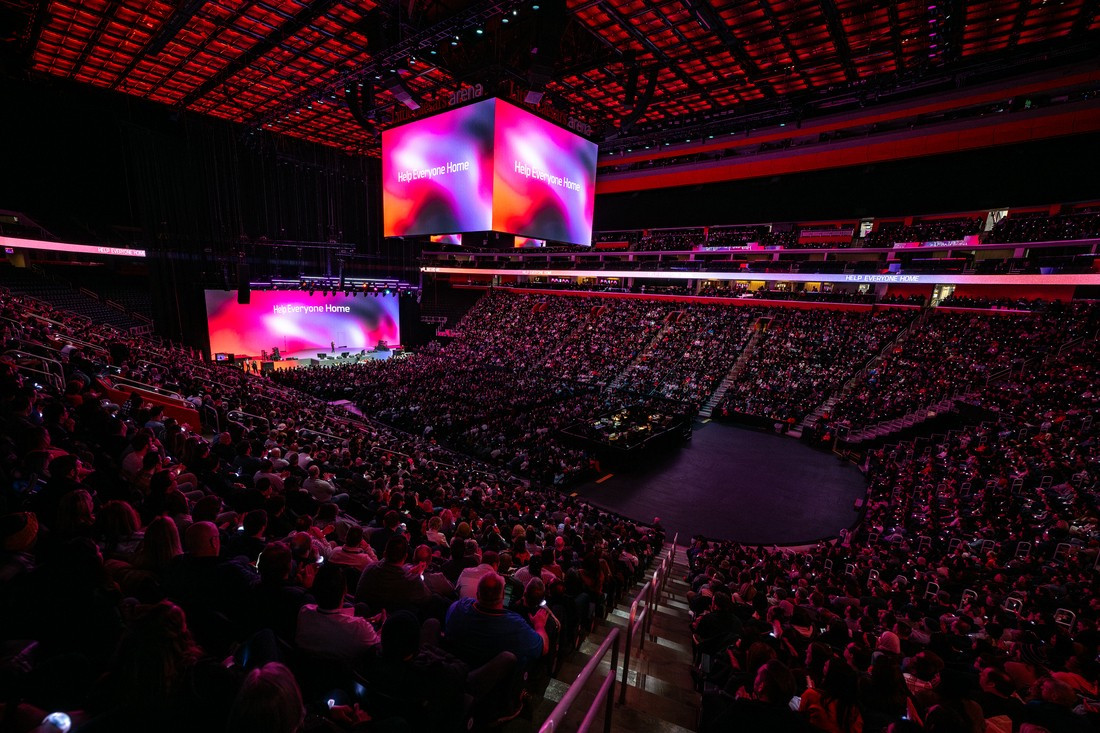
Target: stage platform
point(738, 484)
point(314, 358)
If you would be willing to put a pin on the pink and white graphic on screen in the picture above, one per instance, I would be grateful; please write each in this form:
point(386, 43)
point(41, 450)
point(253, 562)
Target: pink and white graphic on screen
point(298, 323)
point(544, 178)
point(437, 173)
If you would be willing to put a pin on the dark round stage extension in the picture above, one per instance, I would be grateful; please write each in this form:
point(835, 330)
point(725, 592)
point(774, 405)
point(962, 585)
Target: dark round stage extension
point(733, 483)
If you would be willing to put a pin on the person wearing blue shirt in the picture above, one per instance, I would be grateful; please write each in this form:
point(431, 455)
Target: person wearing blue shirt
point(478, 629)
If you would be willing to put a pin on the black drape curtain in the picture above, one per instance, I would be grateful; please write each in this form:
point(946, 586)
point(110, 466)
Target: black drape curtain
point(212, 185)
point(196, 192)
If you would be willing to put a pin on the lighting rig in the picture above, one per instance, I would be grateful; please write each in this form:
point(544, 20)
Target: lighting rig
point(349, 286)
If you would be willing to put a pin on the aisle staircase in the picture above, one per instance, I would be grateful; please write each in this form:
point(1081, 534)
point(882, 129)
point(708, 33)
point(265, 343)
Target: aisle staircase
point(858, 377)
point(623, 377)
point(658, 694)
point(735, 371)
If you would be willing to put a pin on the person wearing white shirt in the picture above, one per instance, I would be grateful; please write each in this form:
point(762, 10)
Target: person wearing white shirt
point(354, 552)
point(469, 578)
point(327, 630)
point(534, 569)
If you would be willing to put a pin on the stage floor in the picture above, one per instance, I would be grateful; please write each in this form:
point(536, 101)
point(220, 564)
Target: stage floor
point(338, 355)
point(733, 483)
point(303, 359)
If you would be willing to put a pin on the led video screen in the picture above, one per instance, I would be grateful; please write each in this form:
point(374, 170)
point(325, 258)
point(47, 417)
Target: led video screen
point(437, 173)
point(488, 166)
point(13, 243)
point(299, 324)
point(446, 239)
point(544, 178)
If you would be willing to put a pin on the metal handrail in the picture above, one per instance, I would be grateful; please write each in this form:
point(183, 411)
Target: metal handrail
point(220, 384)
point(26, 343)
point(18, 324)
point(205, 410)
point(330, 436)
point(145, 387)
point(48, 377)
point(79, 318)
point(606, 693)
point(648, 599)
point(76, 342)
point(637, 619)
point(44, 360)
point(152, 364)
point(242, 413)
point(671, 560)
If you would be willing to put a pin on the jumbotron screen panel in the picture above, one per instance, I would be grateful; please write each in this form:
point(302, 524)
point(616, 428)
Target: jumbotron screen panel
point(488, 166)
point(437, 174)
point(299, 324)
point(544, 178)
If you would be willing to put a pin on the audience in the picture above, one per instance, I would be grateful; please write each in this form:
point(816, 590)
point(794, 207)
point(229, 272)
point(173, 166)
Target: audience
point(1043, 227)
point(210, 588)
point(802, 356)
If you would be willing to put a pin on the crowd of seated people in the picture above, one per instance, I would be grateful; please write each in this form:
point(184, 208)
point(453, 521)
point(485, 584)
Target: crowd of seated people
point(526, 366)
point(894, 299)
point(954, 352)
point(815, 296)
point(805, 355)
point(736, 236)
point(631, 236)
point(485, 389)
point(300, 570)
point(1044, 228)
point(785, 239)
point(610, 334)
point(936, 230)
point(965, 601)
point(303, 554)
point(724, 289)
point(692, 354)
point(1020, 304)
point(670, 240)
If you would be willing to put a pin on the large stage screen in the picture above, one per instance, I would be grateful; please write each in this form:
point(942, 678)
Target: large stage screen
point(299, 324)
point(488, 166)
point(437, 173)
point(544, 178)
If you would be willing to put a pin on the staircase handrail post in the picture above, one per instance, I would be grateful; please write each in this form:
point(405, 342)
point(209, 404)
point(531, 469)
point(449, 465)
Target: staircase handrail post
point(607, 690)
point(626, 651)
point(651, 602)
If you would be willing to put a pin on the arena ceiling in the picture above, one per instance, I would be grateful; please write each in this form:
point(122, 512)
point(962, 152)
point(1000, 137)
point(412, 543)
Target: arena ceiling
point(292, 66)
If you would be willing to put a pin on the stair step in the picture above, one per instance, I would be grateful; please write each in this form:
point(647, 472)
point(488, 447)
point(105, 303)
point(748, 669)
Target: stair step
point(643, 711)
point(675, 643)
point(674, 630)
point(672, 641)
point(676, 603)
point(650, 669)
point(646, 711)
point(655, 699)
